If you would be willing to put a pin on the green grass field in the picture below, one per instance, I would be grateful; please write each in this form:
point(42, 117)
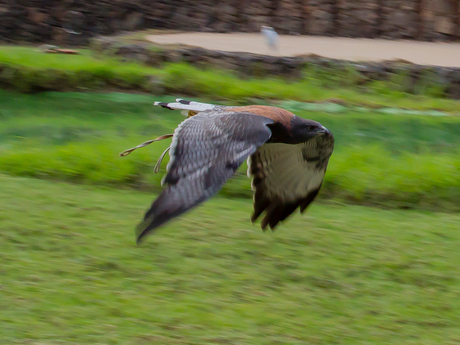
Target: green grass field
point(342, 273)
point(391, 160)
point(72, 274)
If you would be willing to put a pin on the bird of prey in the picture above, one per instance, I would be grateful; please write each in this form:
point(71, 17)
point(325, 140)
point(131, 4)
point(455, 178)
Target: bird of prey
point(271, 36)
point(287, 159)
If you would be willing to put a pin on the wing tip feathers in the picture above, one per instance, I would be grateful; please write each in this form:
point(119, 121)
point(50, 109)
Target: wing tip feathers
point(162, 104)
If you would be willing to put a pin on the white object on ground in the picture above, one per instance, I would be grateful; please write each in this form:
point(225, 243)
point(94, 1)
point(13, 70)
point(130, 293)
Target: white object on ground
point(271, 36)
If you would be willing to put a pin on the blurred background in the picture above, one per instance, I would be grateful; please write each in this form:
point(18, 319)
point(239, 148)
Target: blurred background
point(374, 261)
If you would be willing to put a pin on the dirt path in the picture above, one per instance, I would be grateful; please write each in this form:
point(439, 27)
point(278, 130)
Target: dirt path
point(424, 53)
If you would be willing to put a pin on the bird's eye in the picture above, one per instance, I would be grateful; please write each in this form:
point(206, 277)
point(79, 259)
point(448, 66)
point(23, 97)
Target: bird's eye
point(311, 128)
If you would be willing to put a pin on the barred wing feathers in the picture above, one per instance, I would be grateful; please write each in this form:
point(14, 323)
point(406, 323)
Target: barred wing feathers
point(205, 152)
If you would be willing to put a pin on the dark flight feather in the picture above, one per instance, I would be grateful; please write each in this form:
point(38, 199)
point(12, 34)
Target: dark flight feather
point(286, 177)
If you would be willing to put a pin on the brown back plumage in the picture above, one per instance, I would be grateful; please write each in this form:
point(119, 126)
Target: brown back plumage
point(278, 115)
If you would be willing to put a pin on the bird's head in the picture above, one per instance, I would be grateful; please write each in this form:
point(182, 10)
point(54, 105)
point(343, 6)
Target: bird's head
point(303, 129)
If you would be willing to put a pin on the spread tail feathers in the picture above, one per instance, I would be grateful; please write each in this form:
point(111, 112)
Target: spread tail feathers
point(182, 104)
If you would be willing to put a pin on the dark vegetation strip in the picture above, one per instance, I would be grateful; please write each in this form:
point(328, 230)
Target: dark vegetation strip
point(29, 70)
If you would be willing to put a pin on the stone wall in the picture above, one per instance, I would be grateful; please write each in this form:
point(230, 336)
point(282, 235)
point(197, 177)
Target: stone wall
point(410, 77)
point(54, 20)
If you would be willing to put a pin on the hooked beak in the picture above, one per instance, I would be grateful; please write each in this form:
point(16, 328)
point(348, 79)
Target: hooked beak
point(324, 130)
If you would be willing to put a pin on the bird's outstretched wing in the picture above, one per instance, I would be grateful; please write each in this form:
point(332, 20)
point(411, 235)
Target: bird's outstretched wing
point(286, 177)
point(206, 150)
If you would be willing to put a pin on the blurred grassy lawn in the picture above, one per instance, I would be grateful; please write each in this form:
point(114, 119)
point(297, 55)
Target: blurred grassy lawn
point(71, 273)
point(27, 69)
point(33, 57)
point(380, 159)
point(339, 274)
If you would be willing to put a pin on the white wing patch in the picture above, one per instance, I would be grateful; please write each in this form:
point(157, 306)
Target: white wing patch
point(181, 104)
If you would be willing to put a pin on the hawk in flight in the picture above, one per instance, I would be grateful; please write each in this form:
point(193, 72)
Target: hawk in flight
point(287, 159)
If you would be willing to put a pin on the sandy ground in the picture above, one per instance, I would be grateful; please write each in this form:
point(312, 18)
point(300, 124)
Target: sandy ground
point(423, 53)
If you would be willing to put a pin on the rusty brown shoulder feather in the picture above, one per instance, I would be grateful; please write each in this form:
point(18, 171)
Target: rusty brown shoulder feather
point(276, 114)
